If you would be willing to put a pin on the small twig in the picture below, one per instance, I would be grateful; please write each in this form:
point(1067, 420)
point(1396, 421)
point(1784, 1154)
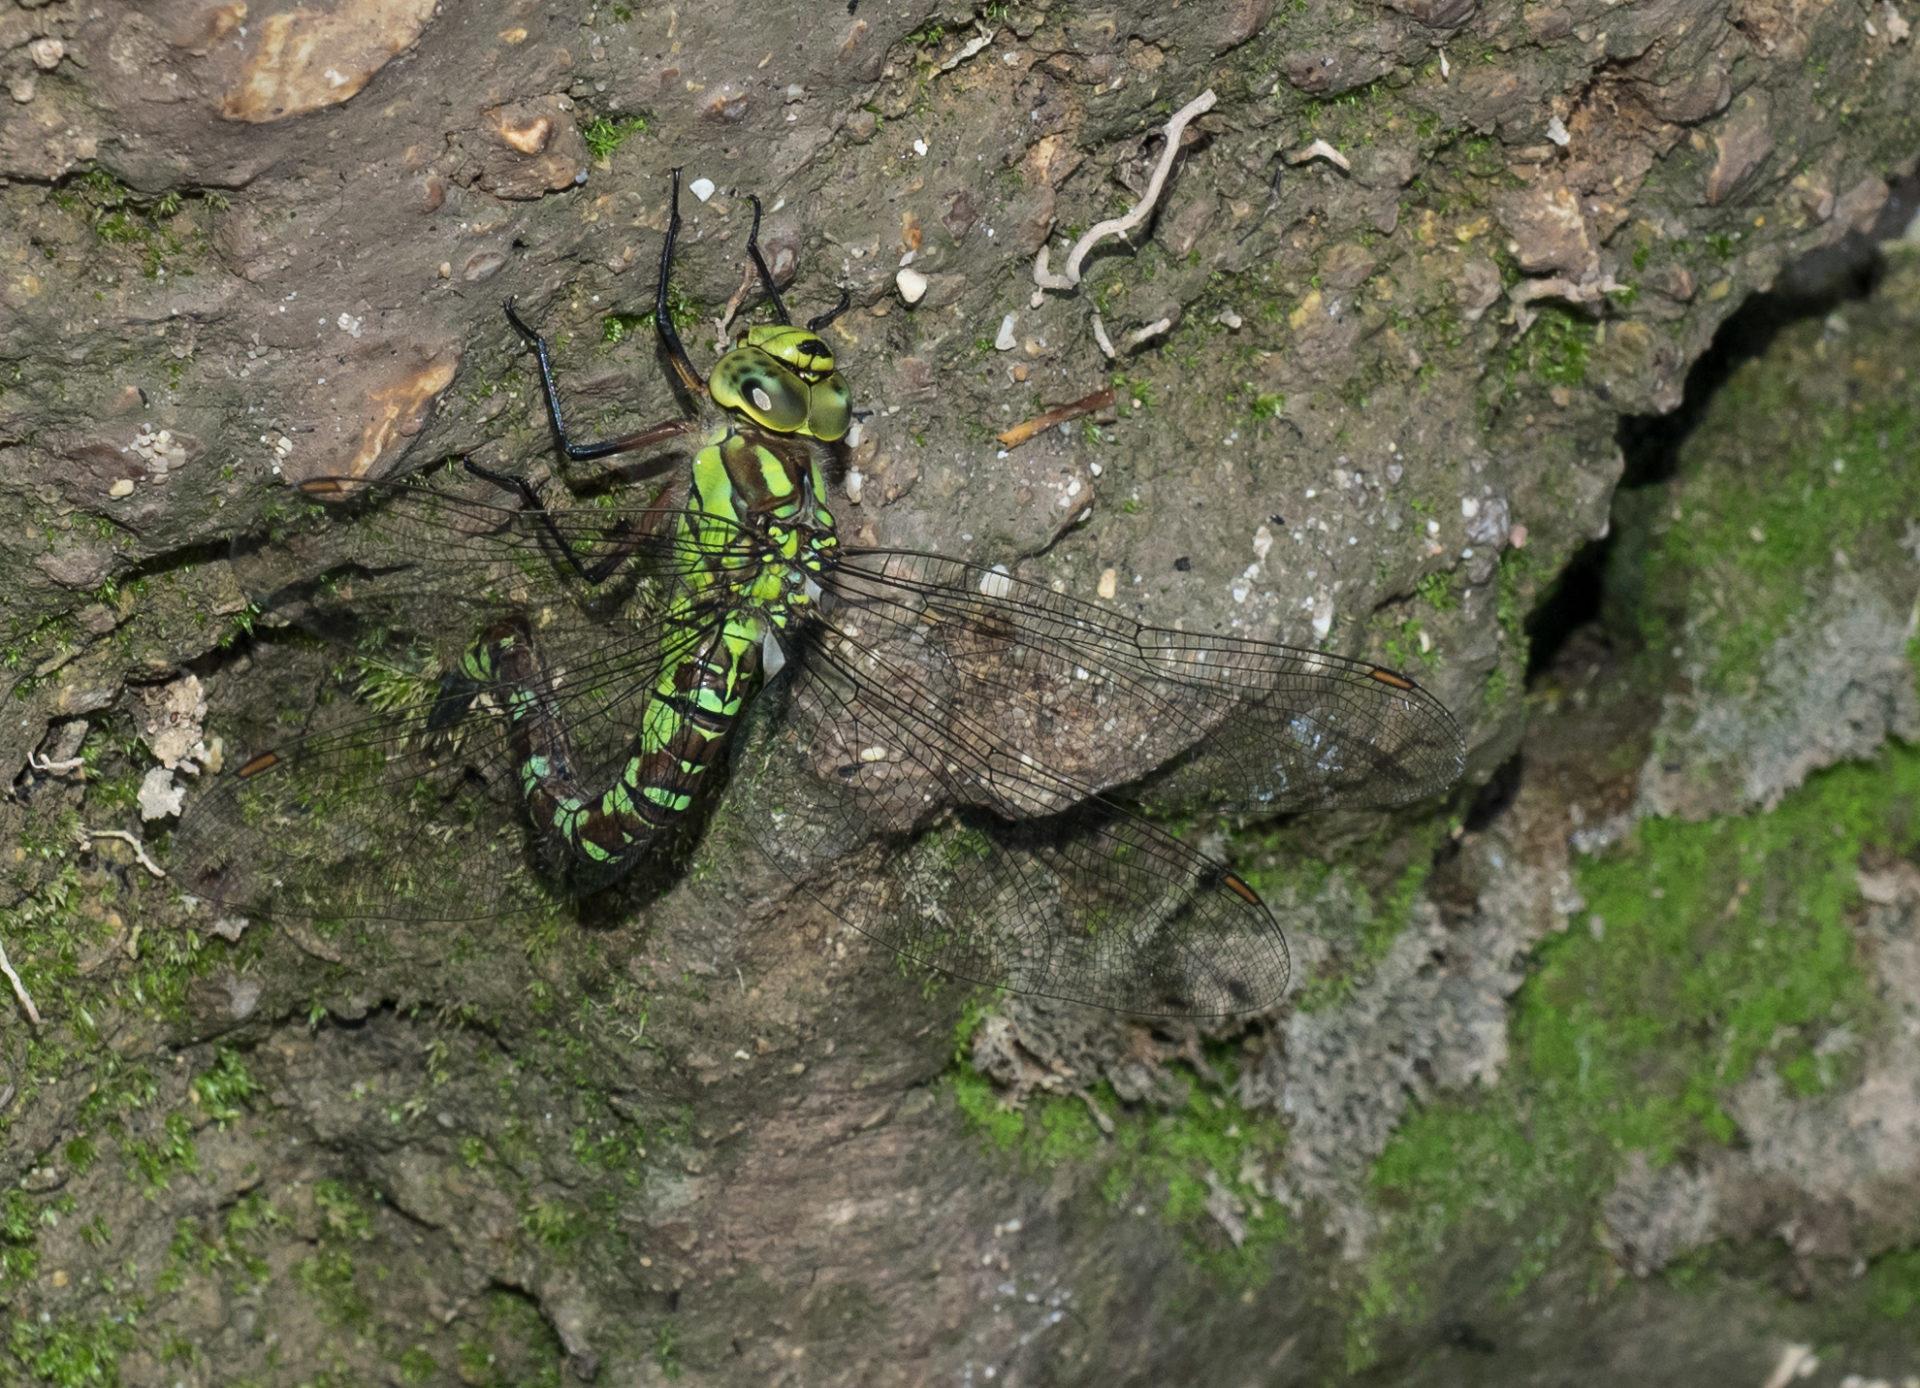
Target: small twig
point(1100, 336)
point(1059, 414)
point(1104, 1123)
point(1120, 226)
point(1585, 292)
point(748, 278)
point(1319, 149)
point(19, 988)
point(310, 943)
point(1140, 335)
point(87, 836)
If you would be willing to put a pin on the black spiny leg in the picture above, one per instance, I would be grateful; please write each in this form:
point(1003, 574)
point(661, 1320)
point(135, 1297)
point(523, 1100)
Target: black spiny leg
point(583, 452)
point(627, 538)
point(662, 319)
point(818, 321)
point(760, 264)
point(822, 319)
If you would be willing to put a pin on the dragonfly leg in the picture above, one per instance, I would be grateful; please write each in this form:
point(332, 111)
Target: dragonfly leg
point(626, 537)
point(760, 264)
point(585, 452)
point(820, 320)
point(662, 317)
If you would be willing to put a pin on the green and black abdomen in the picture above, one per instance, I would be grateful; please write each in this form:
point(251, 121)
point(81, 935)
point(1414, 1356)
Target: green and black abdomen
point(690, 713)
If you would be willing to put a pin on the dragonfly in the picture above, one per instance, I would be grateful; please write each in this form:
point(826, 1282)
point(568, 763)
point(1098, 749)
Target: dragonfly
point(542, 700)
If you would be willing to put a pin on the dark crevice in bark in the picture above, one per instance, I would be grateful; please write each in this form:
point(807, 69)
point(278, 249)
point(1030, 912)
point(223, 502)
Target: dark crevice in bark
point(1812, 287)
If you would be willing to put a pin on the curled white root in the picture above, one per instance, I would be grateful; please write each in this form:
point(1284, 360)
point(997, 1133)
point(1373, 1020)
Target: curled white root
point(1120, 226)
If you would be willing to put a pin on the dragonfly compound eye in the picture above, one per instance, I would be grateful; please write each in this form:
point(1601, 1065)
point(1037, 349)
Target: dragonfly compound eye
point(830, 409)
point(749, 381)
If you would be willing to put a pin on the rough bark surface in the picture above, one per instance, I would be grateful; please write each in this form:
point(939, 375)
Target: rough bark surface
point(731, 1141)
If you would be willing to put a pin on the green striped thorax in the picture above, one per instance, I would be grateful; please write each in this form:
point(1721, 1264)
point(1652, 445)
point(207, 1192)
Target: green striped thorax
point(783, 379)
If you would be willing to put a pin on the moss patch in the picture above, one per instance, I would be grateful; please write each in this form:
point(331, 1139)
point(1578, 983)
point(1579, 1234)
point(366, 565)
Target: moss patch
point(1710, 948)
point(1836, 434)
point(1201, 1166)
point(67, 1351)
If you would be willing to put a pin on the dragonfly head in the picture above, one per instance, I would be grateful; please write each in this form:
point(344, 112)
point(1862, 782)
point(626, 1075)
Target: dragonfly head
point(783, 379)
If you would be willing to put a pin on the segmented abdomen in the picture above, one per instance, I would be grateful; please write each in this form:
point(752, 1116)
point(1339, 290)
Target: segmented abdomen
point(709, 671)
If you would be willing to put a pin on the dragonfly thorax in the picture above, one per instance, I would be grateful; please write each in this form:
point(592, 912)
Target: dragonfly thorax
point(757, 505)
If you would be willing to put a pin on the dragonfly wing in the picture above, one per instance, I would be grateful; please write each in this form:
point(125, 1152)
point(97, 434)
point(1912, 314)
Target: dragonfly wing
point(1233, 723)
point(922, 829)
point(357, 814)
point(447, 554)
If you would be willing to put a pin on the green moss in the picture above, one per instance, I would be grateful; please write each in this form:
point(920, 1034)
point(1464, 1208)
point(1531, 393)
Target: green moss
point(617, 327)
point(342, 1216)
point(1719, 946)
point(225, 1088)
point(979, 1103)
point(666, 1349)
point(1403, 649)
point(122, 216)
point(1740, 548)
point(1725, 942)
point(68, 1352)
point(1513, 598)
point(604, 135)
point(1436, 589)
point(552, 1222)
point(1178, 1161)
point(1893, 1284)
point(416, 1365)
point(517, 1348)
point(155, 1163)
point(328, 1277)
point(1556, 347)
point(251, 1214)
point(1266, 405)
point(19, 1232)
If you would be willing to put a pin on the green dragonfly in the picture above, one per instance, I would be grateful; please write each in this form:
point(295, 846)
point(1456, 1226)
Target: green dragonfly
point(967, 767)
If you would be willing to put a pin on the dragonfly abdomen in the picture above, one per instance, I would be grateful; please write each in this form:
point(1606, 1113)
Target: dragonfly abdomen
point(689, 716)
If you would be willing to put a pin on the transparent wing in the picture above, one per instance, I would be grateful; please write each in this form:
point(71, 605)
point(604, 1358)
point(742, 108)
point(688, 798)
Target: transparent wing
point(969, 721)
point(380, 783)
point(1087, 902)
point(1237, 724)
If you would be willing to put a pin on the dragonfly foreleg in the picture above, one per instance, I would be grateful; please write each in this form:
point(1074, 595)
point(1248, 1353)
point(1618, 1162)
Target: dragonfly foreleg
point(586, 452)
point(815, 323)
point(760, 264)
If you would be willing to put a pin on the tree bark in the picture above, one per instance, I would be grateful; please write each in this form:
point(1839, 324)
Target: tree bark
point(1419, 261)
